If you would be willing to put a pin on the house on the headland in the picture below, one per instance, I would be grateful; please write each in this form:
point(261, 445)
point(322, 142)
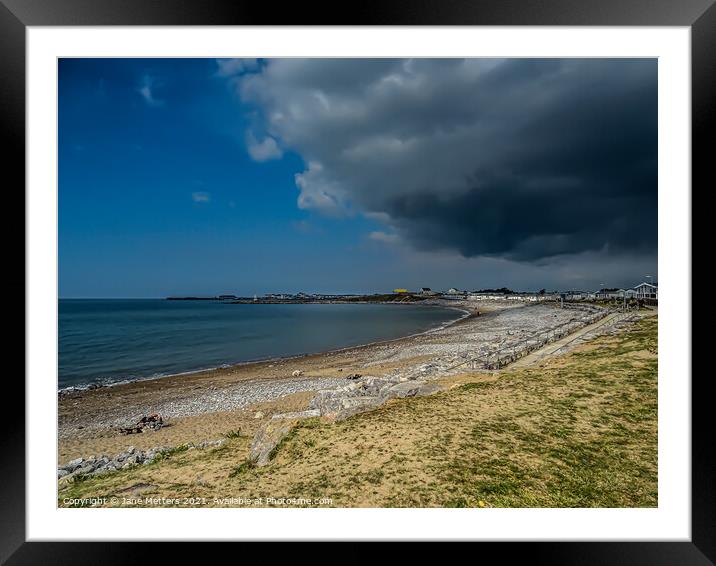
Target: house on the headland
point(400, 291)
point(426, 291)
point(646, 291)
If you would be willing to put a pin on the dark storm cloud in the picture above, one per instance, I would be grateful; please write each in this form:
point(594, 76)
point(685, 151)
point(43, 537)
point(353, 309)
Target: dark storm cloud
point(524, 159)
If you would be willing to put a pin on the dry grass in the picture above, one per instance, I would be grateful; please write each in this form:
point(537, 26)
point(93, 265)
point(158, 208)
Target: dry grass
point(579, 431)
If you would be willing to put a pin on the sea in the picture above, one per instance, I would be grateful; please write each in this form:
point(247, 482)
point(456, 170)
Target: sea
point(109, 341)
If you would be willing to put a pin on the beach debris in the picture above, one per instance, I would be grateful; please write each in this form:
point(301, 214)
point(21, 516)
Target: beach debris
point(354, 376)
point(296, 373)
point(153, 421)
point(259, 415)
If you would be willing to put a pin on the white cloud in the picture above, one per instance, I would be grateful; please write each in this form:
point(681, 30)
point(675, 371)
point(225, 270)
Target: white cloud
point(200, 196)
point(263, 150)
point(147, 93)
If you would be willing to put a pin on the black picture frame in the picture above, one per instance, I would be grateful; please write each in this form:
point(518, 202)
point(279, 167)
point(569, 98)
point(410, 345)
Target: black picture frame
point(16, 15)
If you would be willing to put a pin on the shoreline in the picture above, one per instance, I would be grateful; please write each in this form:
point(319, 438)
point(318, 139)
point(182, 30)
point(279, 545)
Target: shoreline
point(206, 405)
point(63, 391)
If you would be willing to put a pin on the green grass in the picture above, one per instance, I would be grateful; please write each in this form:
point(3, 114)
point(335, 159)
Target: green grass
point(243, 468)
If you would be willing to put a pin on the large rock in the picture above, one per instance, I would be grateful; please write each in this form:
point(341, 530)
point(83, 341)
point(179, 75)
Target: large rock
point(410, 389)
point(267, 438)
point(353, 405)
point(341, 403)
point(72, 465)
point(372, 386)
point(326, 401)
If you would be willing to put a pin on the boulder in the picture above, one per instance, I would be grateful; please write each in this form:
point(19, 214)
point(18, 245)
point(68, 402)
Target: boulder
point(410, 389)
point(72, 465)
point(372, 386)
point(266, 439)
point(321, 398)
point(353, 405)
point(85, 469)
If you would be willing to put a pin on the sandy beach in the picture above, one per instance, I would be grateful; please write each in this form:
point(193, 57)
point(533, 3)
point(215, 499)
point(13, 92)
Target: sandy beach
point(207, 405)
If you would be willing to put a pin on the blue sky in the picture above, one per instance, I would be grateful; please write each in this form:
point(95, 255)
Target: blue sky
point(160, 196)
point(178, 176)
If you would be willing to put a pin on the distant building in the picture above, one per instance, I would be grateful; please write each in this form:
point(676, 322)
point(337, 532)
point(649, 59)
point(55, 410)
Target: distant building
point(641, 291)
point(575, 295)
point(646, 291)
point(427, 291)
point(400, 291)
point(454, 291)
point(609, 293)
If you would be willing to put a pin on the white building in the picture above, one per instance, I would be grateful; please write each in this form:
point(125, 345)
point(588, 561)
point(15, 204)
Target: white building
point(641, 291)
point(646, 291)
point(426, 291)
point(610, 294)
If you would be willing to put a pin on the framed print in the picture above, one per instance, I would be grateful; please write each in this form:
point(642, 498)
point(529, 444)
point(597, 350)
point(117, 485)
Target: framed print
point(291, 277)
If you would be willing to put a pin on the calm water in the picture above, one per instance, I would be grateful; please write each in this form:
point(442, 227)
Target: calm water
point(110, 340)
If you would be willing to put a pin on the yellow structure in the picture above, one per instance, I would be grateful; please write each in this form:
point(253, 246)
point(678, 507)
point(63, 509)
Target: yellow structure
point(400, 291)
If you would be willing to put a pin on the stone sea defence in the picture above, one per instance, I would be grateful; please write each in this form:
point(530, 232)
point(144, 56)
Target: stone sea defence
point(588, 314)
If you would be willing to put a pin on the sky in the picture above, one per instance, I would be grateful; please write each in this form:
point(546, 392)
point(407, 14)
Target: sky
point(246, 176)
